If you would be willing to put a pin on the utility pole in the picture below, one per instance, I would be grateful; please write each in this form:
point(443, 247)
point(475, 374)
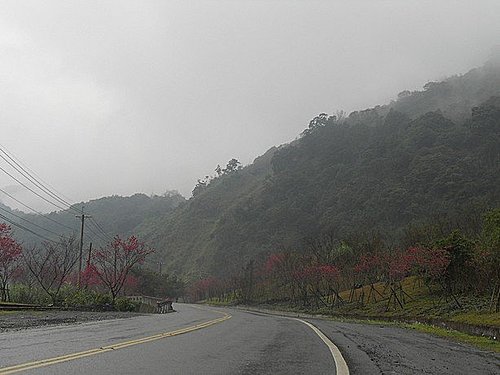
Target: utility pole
point(82, 217)
point(90, 255)
point(88, 264)
point(160, 263)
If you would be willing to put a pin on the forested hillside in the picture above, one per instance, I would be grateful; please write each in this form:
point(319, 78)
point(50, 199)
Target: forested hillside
point(431, 152)
point(109, 216)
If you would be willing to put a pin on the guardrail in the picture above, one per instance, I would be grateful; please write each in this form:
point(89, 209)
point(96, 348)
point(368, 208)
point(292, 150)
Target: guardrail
point(164, 307)
point(160, 306)
point(7, 306)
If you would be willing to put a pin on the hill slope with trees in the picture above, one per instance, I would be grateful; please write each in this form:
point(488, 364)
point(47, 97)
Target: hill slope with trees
point(429, 153)
point(110, 216)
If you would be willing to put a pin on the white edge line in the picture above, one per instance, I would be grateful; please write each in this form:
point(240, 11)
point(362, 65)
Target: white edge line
point(340, 363)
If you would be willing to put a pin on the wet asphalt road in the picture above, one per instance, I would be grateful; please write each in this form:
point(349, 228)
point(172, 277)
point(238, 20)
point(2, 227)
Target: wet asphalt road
point(382, 349)
point(247, 343)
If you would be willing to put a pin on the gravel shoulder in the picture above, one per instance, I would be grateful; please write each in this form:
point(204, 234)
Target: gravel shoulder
point(24, 319)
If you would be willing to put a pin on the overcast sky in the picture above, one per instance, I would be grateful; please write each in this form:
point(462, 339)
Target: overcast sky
point(117, 97)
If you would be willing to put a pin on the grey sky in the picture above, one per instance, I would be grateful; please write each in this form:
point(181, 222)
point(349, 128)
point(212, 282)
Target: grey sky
point(117, 97)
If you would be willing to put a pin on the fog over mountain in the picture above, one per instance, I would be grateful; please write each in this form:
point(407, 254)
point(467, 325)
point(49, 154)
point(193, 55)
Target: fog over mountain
point(117, 97)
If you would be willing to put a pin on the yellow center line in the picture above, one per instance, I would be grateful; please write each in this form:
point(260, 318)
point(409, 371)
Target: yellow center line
point(108, 348)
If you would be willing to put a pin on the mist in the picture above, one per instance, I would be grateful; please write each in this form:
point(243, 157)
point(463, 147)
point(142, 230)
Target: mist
point(117, 97)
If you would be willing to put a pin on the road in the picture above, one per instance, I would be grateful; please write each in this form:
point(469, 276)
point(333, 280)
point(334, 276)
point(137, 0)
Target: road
point(199, 340)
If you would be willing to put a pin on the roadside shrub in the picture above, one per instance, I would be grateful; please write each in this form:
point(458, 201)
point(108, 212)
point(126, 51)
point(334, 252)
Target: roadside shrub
point(124, 304)
point(86, 299)
point(22, 293)
point(79, 298)
point(102, 299)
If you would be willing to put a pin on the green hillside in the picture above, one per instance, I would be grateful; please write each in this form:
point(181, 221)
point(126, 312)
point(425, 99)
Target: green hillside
point(431, 152)
point(111, 215)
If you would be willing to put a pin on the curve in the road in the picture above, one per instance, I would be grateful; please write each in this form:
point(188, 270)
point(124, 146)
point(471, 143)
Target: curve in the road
point(340, 363)
point(104, 349)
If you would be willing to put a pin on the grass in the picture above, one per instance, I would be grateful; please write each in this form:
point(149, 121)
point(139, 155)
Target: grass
point(478, 318)
point(420, 303)
point(480, 342)
point(7, 312)
point(217, 302)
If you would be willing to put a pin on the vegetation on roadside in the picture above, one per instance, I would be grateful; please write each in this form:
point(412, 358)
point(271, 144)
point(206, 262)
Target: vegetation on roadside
point(386, 213)
point(442, 276)
point(47, 274)
point(484, 343)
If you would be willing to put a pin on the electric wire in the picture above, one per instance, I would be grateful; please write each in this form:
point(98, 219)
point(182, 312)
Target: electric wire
point(20, 169)
point(45, 216)
point(30, 189)
point(94, 222)
point(95, 235)
point(20, 226)
point(34, 175)
point(30, 222)
point(35, 211)
point(29, 176)
point(98, 235)
point(38, 183)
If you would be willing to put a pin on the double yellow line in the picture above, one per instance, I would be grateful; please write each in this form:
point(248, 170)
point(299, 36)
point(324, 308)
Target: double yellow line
point(104, 349)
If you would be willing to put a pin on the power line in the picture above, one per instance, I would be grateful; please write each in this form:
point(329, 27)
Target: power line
point(47, 217)
point(20, 169)
point(97, 235)
point(26, 229)
point(94, 222)
point(35, 211)
point(30, 189)
point(30, 172)
point(38, 183)
point(102, 236)
point(26, 220)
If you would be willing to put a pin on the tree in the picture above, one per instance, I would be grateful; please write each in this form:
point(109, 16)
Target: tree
point(428, 264)
point(248, 281)
point(322, 281)
point(201, 185)
point(218, 170)
point(459, 273)
point(152, 283)
point(233, 165)
point(113, 262)
point(89, 276)
point(52, 263)
point(204, 289)
point(320, 121)
point(404, 94)
point(10, 255)
point(281, 268)
point(488, 256)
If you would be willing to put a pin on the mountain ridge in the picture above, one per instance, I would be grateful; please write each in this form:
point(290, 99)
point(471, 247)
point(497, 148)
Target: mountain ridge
point(428, 153)
point(374, 170)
